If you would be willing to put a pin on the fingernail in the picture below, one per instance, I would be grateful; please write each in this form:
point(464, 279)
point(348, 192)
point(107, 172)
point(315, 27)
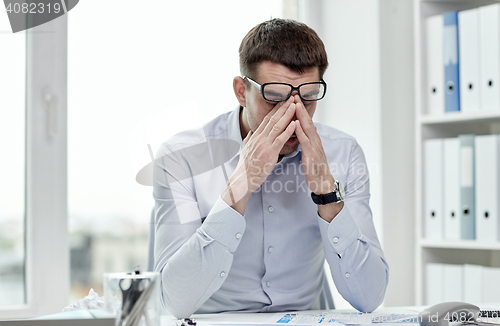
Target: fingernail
point(290, 107)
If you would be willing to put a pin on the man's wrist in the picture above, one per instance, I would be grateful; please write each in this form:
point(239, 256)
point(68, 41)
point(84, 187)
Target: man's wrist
point(327, 185)
point(329, 211)
point(236, 192)
point(238, 203)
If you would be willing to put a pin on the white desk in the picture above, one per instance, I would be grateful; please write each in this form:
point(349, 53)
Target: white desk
point(262, 318)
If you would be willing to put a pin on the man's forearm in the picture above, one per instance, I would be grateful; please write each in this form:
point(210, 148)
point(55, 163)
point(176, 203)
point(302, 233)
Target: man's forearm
point(329, 211)
point(358, 267)
point(235, 197)
point(194, 261)
point(193, 274)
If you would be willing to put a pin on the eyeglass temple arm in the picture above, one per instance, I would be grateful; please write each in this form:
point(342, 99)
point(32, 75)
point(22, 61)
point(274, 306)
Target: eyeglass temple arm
point(253, 82)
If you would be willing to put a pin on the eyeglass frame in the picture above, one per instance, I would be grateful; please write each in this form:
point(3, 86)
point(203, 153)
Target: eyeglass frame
point(261, 87)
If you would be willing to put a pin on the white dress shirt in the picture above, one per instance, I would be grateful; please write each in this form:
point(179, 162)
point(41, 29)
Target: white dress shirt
point(213, 259)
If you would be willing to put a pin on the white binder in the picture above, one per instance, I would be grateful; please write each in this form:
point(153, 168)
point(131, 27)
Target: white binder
point(468, 35)
point(451, 188)
point(434, 283)
point(489, 31)
point(467, 188)
point(435, 65)
point(473, 283)
point(491, 286)
point(433, 187)
point(453, 283)
point(487, 192)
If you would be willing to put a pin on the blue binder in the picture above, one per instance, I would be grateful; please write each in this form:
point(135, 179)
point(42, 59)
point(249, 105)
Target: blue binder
point(467, 188)
point(450, 56)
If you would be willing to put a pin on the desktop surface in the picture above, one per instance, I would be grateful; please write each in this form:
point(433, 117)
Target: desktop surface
point(236, 318)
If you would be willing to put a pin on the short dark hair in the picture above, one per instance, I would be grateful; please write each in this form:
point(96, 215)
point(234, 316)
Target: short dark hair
point(290, 43)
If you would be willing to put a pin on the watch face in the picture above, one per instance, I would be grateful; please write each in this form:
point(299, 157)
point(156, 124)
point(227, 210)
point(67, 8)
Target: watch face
point(341, 190)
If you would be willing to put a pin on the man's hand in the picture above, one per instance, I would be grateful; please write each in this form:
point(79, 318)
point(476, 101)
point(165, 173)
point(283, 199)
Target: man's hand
point(259, 154)
point(314, 162)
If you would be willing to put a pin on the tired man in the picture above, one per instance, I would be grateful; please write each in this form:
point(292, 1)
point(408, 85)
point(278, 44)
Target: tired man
point(281, 193)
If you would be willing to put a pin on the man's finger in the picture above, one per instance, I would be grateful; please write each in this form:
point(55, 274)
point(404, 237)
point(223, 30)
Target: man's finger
point(279, 108)
point(281, 139)
point(280, 126)
point(247, 138)
point(303, 139)
point(304, 118)
point(276, 115)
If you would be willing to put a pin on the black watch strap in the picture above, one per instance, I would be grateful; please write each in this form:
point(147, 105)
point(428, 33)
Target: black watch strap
point(324, 199)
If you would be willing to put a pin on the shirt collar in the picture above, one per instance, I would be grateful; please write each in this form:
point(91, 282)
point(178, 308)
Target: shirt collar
point(233, 125)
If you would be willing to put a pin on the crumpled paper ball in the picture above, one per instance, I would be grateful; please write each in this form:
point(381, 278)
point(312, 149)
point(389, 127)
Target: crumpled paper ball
point(91, 301)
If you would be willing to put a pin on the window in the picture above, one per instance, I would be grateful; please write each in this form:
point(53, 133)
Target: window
point(12, 164)
point(33, 123)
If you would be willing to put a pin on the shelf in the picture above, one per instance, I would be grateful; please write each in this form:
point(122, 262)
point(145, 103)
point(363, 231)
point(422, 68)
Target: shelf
point(479, 2)
point(460, 117)
point(463, 244)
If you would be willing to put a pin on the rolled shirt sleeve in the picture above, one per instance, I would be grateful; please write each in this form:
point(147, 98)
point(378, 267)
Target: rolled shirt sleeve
point(198, 268)
point(351, 245)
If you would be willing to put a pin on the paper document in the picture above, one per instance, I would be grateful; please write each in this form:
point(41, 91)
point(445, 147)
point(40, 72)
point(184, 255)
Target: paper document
point(338, 318)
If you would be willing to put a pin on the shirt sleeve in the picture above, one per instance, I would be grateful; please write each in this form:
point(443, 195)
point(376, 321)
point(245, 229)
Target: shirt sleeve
point(351, 245)
point(193, 258)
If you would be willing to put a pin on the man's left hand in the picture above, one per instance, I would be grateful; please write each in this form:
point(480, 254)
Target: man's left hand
point(314, 162)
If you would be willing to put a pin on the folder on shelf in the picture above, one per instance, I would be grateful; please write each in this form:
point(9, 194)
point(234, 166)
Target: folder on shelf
point(467, 188)
point(491, 287)
point(434, 283)
point(451, 188)
point(435, 72)
point(473, 283)
point(468, 45)
point(451, 59)
point(452, 283)
point(489, 31)
point(433, 188)
point(487, 192)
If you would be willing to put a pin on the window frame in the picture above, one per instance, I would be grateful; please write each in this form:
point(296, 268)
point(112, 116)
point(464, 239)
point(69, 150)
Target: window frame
point(46, 227)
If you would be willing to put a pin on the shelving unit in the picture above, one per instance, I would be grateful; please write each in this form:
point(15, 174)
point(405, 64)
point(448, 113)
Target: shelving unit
point(443, 126)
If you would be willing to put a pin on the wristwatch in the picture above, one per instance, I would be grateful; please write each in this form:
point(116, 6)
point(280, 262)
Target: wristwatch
point(336, 196)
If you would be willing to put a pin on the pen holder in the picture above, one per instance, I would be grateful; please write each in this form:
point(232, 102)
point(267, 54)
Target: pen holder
point(134, 298)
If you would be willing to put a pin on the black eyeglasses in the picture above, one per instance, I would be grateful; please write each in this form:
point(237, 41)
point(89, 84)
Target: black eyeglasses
point(279, 92)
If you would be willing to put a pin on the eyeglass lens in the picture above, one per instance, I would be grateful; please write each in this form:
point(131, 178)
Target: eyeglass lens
point(280, 92)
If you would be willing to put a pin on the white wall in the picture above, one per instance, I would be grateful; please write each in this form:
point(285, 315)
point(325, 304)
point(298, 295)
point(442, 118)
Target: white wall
point(349, 30)
point(370, 96)
point(398, 159)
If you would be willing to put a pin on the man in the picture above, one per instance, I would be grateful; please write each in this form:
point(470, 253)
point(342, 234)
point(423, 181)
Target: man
point(251, 232)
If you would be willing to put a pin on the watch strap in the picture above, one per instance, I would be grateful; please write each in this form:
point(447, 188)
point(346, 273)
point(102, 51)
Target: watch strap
point(325, 198)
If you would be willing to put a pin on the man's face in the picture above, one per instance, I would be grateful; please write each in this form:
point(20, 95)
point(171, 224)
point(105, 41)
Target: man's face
point(257, 107)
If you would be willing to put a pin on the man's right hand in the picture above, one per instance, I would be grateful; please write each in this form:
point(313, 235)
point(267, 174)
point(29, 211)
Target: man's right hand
point(259, 155)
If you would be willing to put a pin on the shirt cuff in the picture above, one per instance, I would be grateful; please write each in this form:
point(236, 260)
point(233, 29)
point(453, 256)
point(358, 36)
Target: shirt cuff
point(341, 232)
point(224, 225)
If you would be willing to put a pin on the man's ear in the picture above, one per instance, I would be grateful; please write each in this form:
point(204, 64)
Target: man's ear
point(239, 87)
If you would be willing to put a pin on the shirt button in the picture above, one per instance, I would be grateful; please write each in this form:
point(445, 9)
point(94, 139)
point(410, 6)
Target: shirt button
point(347, 275)
point(222, 274)
point(270, 249)
point(335, 239)
point(238, 235)
point(268, 284)
point(270, 209)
